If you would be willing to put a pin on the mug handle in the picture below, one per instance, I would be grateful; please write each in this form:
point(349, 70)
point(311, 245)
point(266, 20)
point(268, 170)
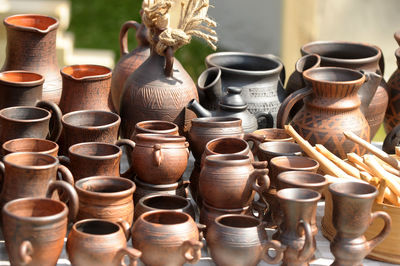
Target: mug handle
point(158, 154)
point(123, 35)
point(256, 139)
point(260, 175)
point(278, 247)
point(2, 174)
point(56, 129)
point(268, 117)
point(307, 249)
point(64, 160)
point(66, 174)
point(73, 204)
point(25, 252)
point(191, 250)
point(132, 253)
point(371, 244)
point(125, 228)
point(131, 144)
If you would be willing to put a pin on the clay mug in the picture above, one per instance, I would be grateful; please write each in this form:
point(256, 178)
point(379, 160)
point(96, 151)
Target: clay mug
point(143, 189)
point(100, 242)
point(106, 197)
point(267, 135)
point(298, 206)
point(159, 159)
point(85, 87)
point(166, 238)
point(269, 150)
point(162, 201)
point(34, 230)
point(352, 204)
point(156, 127)
point(31, 174)
point(31, 145)
point(230, 181)
point(237, 239)
point(28, 122)
point(95, 159)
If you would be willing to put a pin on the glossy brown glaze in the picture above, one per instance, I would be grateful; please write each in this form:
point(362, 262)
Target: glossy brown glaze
point(85, 87)
point(160, 159)
point(230, 181)
point(30, 145)
point(106, 197)
point(31, 46)
point(156, 127)
point(99, 242)
point(162, 201)
point(129, 61)
point(34, 230)
point(235, 239)
point(357, 56)
point(393, 110)
point(30, 174)
point(352, 204)
point(172, 236)
point(331, 106)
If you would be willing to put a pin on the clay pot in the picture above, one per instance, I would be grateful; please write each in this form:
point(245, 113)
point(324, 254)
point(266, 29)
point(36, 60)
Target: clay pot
point(173, 236)
point(239, 173)
point(393, 110)
point(331, 107)
point(34, 230)
point(30, 145)
point(99, 242)
point(143, 189)
point(266, 135)
point(94, 159)
point(160, 201)
point(106, 197)
point(85, 87)
point(358, 56)
point(31, 46)
point(236, 239)
point(352, 204)
point(269, 150)
point(156, 127)
point(160, 159)
point(28, 122)
point(129, 61)
point(30, 174)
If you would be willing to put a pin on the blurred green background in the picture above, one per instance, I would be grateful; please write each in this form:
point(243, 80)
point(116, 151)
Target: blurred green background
point(96, 24)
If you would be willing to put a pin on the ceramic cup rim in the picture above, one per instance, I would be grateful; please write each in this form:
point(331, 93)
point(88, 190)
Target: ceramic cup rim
point(174, 127)
point(32, 83)
point(308, 75)
point(45, 117)
point(51, 27)
point(106, 75)
point(334, 190)
point(116, 121)
point(122, 193)
point(160, 195)
point(242, 216)
point(73, 150)
point(275, 161)
point(11, 141)
point(54, 161)
point(145, 215)
point(283, 177)
point(314, 195)
point(90, 220)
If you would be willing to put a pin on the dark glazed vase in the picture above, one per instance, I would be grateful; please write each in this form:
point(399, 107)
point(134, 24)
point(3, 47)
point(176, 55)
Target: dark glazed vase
point(129, 61)
point(31, 46)
point(358, 56)
point(331, 106)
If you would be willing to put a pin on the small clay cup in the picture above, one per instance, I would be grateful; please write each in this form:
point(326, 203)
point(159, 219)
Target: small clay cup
point(236, 239)
point(269, 150)
point(267, 135)
point(106, 197)
point(161, 201)
point(95, 159)
point(156, 127)
point(34, 230)
point(167, 238)
point(100, 242)
point(30, 145)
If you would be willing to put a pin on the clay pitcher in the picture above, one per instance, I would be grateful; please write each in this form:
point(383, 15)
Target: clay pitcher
point(31, 46)
point(85, 87)
point(129, 61)
point(331, 106)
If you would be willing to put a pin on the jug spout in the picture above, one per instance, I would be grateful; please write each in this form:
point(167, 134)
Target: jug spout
point(209, 87)
point(199, 110)
point(368, 89)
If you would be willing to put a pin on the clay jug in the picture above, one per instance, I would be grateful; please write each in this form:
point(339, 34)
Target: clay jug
point(358, 56)
point(392, 116)
point(129, 61)
point(261, 78)
point(331, 106)
point(31, 46)
point(85, 87)
point(159, 89)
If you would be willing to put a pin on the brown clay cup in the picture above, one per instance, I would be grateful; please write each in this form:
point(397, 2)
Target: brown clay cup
point(95, 159)
point(236, 239)
point(167, 238)
point(28, 122)
point(31, 174)
point(34, 230)
point(155, 202)
point(30, 145)
point(269, 150)
point(100, 242)
point(106, 197)
point(156, 127)
point(267, 135)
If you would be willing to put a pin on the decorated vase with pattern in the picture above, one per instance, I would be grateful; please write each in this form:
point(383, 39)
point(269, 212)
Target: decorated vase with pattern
point(331, 106)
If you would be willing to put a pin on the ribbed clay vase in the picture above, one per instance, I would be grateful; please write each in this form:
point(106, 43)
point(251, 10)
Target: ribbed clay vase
point(129, 61)
point(85, 87)
point(31, 46)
